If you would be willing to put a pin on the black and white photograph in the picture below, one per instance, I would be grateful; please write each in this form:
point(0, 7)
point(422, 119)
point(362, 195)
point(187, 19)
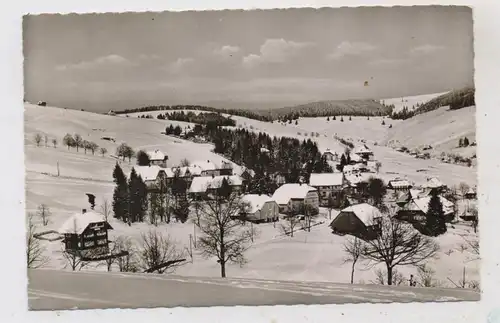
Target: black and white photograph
point(250, 157)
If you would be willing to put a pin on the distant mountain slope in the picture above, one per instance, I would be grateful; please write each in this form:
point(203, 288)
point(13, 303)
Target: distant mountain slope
point(409, 102)
point(334, 108)
point(456, 99)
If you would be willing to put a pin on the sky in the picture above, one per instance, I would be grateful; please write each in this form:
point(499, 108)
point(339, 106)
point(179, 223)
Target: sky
point(258, 59)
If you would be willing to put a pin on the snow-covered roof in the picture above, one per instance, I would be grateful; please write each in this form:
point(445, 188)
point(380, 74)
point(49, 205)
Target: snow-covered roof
point(418, 193)
point(356, 158)
point(326, 179)
point(398, 183)
point(148, 173)
point(78, 222)
point(362, 149)
point(357, 178)
point(291, 191)
point(193, 170)
point(471, 191)
point(205, 165)
point(422, 204)
point(434, 183)
point(202, 183)
point(255, 201)
point(364, 211)
point(156, 155)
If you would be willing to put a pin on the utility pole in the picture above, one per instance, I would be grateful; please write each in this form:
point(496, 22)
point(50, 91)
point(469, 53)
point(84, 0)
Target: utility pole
point(57, 169)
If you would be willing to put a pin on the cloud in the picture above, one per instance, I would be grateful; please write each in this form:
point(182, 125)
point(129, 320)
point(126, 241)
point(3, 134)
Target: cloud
point(275, 51)
point(226, 51)
point(425, 49)
point(110, 60)
point(387, 62)
point(180, 65)
point(350, 49)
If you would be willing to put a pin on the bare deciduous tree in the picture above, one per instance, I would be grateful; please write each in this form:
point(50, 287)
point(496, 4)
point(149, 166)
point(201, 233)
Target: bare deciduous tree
point(38, 139)
point(291, 223)
point(127, 263)
point(398, 244)
point(353, 247)
point(185, 163)
point(73, 260)
point(78, 141)
point(44, 213)
point(463, 188)
point(46, 140)
point(69, 141)
point(159, 253)
point(54, 142)
point(106, 209)
point(426, 276)
point(103, 151)
point(222, 236)
point(34, 250)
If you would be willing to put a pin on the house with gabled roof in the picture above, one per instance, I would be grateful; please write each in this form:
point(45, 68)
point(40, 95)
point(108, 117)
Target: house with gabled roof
point(399, 184)
point(327, 184)
point(153, 176)
point(86, 233)
point(157, 158)
point(363, 151)
point(260, 208)
point(205, 186)
point(294, 196)
point(415, 210)
point(359, 220)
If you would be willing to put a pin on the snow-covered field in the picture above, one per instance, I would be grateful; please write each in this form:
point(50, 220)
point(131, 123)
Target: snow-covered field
point(308, 256)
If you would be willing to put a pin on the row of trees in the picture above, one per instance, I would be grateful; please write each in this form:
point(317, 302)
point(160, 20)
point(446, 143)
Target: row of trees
point(38, 138)
point(463, 142)
point(76, 141)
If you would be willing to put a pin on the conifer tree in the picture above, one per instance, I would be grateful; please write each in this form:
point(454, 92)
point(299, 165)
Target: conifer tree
point(120, 194)
point(460, 142)
point(466, 142)
point(334, 118)
point(435, 221)
point(137, 197)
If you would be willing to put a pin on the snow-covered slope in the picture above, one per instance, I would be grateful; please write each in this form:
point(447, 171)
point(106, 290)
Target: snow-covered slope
point(441, 128)
point(410, 101)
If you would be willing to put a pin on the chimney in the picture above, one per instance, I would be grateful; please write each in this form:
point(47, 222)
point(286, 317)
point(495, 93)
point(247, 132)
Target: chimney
point(84, 211)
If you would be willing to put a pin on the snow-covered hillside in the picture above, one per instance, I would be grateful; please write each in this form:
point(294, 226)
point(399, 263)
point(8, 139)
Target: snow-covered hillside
point(308, 256)
point(441, 128)
point(410, 101)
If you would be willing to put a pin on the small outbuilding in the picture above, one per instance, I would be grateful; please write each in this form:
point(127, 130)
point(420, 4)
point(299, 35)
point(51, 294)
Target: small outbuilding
point(399, 184)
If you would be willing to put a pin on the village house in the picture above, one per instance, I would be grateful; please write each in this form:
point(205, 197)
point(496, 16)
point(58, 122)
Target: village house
point(399, 184)
point(260, 208)
point(434, 183)
point(205, 186)
point(209, 168)
point(359, 220)
point(415, 210)
point(86, 234)
point(157, 158)
point(364, 152)
point(471, 194)
point(154, 177)
point(294, 196)
point(331, 156)
point(187, 173)
point(327, 185)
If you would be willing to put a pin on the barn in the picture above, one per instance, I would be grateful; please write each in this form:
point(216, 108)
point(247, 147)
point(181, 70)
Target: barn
point(260, 208)
point(359, 220)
